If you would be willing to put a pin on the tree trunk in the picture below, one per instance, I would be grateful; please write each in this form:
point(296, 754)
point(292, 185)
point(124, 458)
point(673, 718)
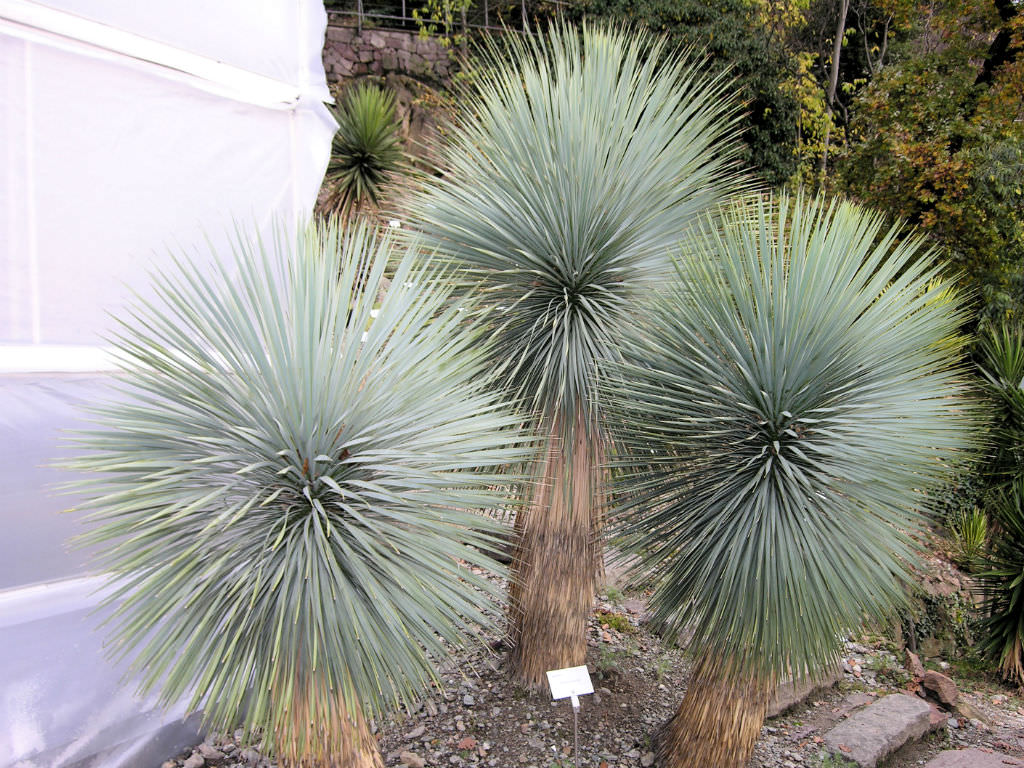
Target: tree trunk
point(717, 722)
point(833, 80)
point(556, 558)
point(318, 739)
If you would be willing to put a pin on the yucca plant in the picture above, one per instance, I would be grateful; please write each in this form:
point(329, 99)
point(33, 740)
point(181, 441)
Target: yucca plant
point(282, 492)
point(584, 156)
point(969, 531)
point(784, 406)
point(1001, 576)
point(1001, 362)
point(366, 152)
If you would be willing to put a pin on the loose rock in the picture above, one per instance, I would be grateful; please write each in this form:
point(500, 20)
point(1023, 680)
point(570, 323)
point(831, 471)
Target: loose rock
point(879, 729)
point(914, 665)
point(412, 760)
point(941, 686)
point(973, 758)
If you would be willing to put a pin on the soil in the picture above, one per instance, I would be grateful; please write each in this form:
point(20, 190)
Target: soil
point(478, 718)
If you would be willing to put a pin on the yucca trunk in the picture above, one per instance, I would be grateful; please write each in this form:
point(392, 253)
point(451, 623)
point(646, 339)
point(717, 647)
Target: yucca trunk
point(327, 735)
point(556, 558)
point(717, 722)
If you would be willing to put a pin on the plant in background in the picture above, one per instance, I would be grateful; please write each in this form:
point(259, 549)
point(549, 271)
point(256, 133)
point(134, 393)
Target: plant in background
point(1001, 362)
point(1001, 576)
point(581, 161)
point(281, 494)
point(969, 530)
point(783, 408)
point(1001, 569)
point(366, 152)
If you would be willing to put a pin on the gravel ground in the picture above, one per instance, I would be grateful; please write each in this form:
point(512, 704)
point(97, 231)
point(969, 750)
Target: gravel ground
point(478, 718)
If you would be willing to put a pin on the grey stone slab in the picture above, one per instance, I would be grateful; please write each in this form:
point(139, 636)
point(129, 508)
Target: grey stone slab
point(793, 692)
point(880, 729)
point(973, 758)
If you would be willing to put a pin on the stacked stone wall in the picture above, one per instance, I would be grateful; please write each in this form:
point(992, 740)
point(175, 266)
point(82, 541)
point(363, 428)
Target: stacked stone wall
point(381, 52)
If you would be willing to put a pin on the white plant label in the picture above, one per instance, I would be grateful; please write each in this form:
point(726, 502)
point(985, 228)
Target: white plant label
point(570, 682)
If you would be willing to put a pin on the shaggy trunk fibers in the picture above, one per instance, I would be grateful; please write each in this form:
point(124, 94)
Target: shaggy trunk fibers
point(555, 561)
point(335, 738)
point(717, 722)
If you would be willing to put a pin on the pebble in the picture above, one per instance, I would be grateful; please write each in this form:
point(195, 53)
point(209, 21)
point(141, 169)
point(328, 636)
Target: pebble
point(209, 752)
point(195, 760)
point(616, 735)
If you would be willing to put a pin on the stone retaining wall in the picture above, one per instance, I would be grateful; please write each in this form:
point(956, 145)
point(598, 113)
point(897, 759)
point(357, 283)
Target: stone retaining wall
point(348, 54)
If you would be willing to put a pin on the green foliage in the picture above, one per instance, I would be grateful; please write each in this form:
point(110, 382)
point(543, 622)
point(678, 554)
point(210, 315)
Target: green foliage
point(583, 158)
point(933, 143)
point(283, 494)
point(616, 621)
point(439, 16)
point(662, 667)
point(943, 625)
point(613, 594)
point(612, 660)
point(737, 41)
point(365, 153)
point(1001, 363)
point(1001, 576)
point(969, 531)
point(797, 396)
point(960, 496)
point(830, 760)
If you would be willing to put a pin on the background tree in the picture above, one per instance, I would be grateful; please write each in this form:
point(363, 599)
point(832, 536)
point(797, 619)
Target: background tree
point(583, 159)
point(281, 493)
point(938, 138)
point(797, 394)
point(746, 40)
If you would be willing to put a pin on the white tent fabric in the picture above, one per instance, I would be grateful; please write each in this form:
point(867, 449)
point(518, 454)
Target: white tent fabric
point(120, 147)
point(129, 131)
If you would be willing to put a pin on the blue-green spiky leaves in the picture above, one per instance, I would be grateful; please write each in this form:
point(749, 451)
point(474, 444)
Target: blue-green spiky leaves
point(583, 158)
point(285, 492)
point(786, 406)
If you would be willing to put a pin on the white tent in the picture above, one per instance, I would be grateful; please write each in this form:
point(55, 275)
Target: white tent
point(131, 130)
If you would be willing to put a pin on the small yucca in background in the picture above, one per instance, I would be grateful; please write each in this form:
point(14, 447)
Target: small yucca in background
point(969, 532)
point(1001, 577)
point(1001, 568)
point(366, 152)
point(282, 494)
